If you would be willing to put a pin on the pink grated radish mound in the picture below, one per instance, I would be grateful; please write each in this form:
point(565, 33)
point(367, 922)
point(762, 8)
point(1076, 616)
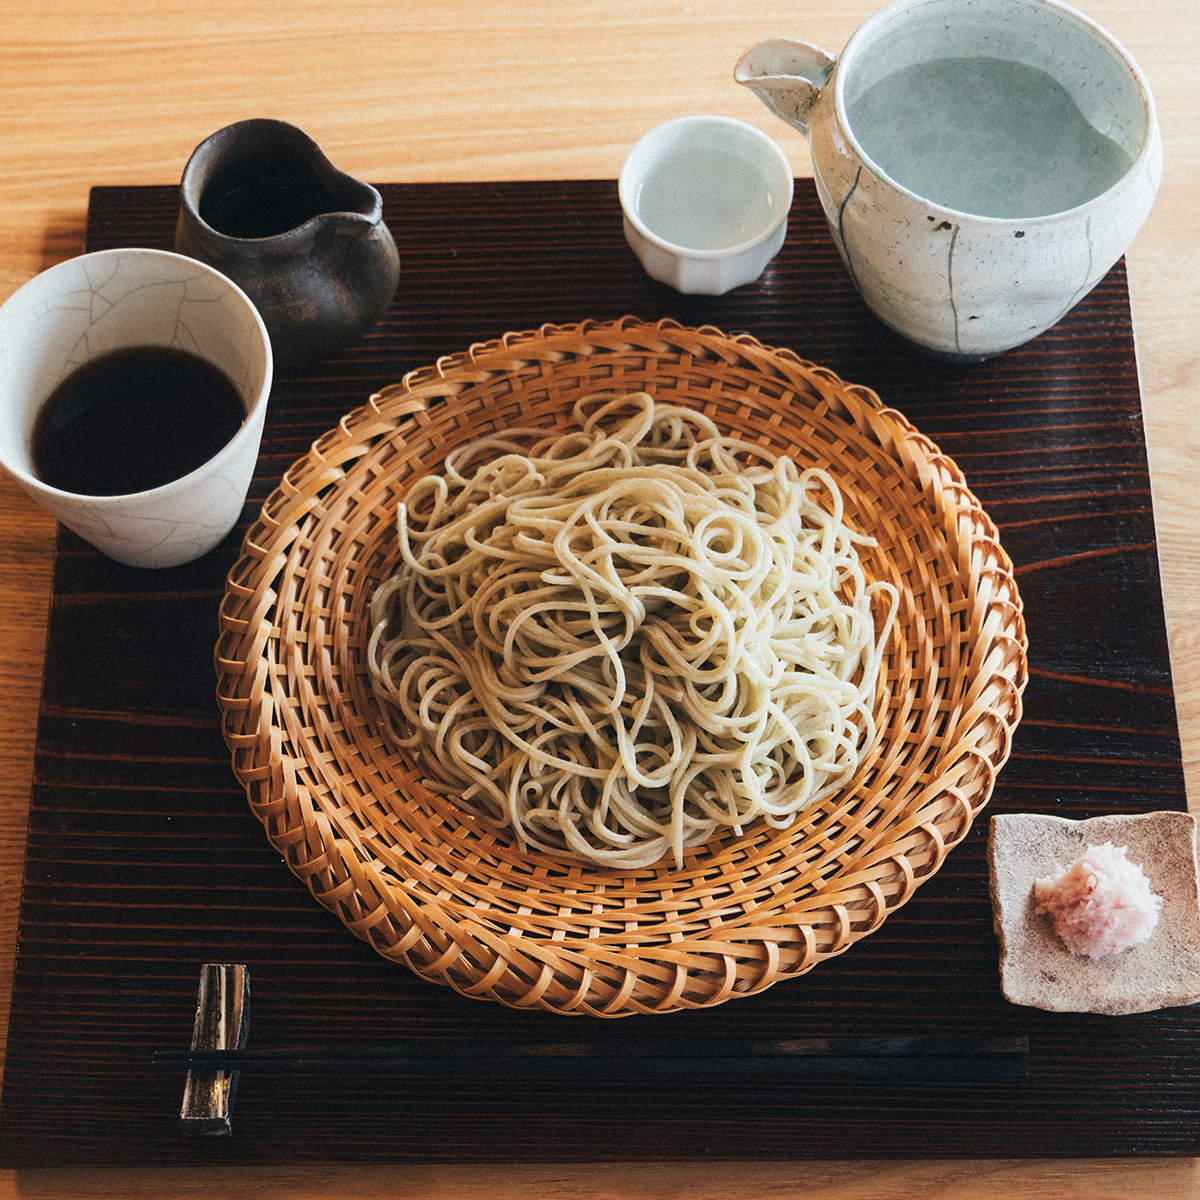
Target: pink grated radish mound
point(1102, 904)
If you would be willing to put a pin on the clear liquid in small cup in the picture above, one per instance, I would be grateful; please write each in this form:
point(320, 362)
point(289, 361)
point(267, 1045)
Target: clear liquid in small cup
point(985, 136)
point(706, 199)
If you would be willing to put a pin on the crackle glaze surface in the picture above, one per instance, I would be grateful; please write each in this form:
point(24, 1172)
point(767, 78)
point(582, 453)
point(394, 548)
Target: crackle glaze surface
point(955, 283)
point(97, 303)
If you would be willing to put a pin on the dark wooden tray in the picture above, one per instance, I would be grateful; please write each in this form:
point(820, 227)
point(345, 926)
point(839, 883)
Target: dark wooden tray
point(144, 862)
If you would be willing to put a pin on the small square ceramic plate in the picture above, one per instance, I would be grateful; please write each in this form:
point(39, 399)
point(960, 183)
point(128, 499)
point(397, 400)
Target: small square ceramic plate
point(1037, 970)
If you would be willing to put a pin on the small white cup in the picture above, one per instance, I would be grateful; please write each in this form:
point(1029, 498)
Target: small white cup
point(109, 300)
point(706, 202)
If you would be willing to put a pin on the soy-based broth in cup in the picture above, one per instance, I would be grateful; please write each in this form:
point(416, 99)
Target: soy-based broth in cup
point(133, 388)
point(134, 419)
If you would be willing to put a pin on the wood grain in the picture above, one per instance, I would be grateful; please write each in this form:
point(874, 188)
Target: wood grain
point(143, 860)
point(395, 90)
point(993, 1179)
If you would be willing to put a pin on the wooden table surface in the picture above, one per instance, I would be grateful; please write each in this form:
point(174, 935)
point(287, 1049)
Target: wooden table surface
point(397, 91)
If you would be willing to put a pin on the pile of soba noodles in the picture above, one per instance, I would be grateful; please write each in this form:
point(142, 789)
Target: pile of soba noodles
point(619, 639)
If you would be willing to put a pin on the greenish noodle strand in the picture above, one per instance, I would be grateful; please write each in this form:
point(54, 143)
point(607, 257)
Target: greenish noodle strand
point(617, 640)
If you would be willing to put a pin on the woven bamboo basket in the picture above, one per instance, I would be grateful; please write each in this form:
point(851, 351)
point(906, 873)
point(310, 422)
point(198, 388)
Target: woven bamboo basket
point(463, 905)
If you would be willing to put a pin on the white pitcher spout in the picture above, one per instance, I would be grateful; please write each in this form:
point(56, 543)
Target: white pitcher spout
point(787, 76)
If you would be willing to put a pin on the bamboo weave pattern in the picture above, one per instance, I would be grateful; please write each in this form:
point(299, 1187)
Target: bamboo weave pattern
point(462, 905)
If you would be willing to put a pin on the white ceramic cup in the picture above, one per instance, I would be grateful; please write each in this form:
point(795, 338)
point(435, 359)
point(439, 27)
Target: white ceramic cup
point(705, 202)
point(950, 276)
point(109, 300)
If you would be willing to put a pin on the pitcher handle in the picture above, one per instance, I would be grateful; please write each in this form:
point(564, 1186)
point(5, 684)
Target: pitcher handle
point(787, 76)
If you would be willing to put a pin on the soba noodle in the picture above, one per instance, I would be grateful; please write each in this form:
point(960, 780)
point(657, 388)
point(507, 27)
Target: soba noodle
point(619, 639)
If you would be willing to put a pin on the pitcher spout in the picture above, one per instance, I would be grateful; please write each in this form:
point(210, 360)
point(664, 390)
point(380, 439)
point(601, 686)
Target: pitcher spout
point(356, 205)
point(350, 223)
point(306, 241)
point(787, 75)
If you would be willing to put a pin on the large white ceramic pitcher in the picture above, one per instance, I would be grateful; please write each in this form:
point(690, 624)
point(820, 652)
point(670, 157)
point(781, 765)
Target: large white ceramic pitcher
point(958, 282)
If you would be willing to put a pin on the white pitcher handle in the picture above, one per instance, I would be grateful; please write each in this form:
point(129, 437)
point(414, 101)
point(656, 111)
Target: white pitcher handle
point(787, 76)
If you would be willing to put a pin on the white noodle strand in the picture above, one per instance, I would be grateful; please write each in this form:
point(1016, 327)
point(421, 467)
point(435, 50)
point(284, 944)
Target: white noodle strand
point(617, 640)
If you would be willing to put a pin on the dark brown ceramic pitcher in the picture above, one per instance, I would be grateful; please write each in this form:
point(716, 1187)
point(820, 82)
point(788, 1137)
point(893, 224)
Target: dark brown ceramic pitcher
point(262, 204)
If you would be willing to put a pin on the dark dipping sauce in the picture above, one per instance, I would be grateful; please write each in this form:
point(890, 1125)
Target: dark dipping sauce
point(134, 419)
point(263, 199)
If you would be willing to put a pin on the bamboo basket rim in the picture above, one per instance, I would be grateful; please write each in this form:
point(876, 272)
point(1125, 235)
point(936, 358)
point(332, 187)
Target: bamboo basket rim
point(429, 886)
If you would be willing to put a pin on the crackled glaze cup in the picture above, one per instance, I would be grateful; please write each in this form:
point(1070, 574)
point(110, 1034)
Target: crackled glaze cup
point(107, 301)
point(981, 163)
